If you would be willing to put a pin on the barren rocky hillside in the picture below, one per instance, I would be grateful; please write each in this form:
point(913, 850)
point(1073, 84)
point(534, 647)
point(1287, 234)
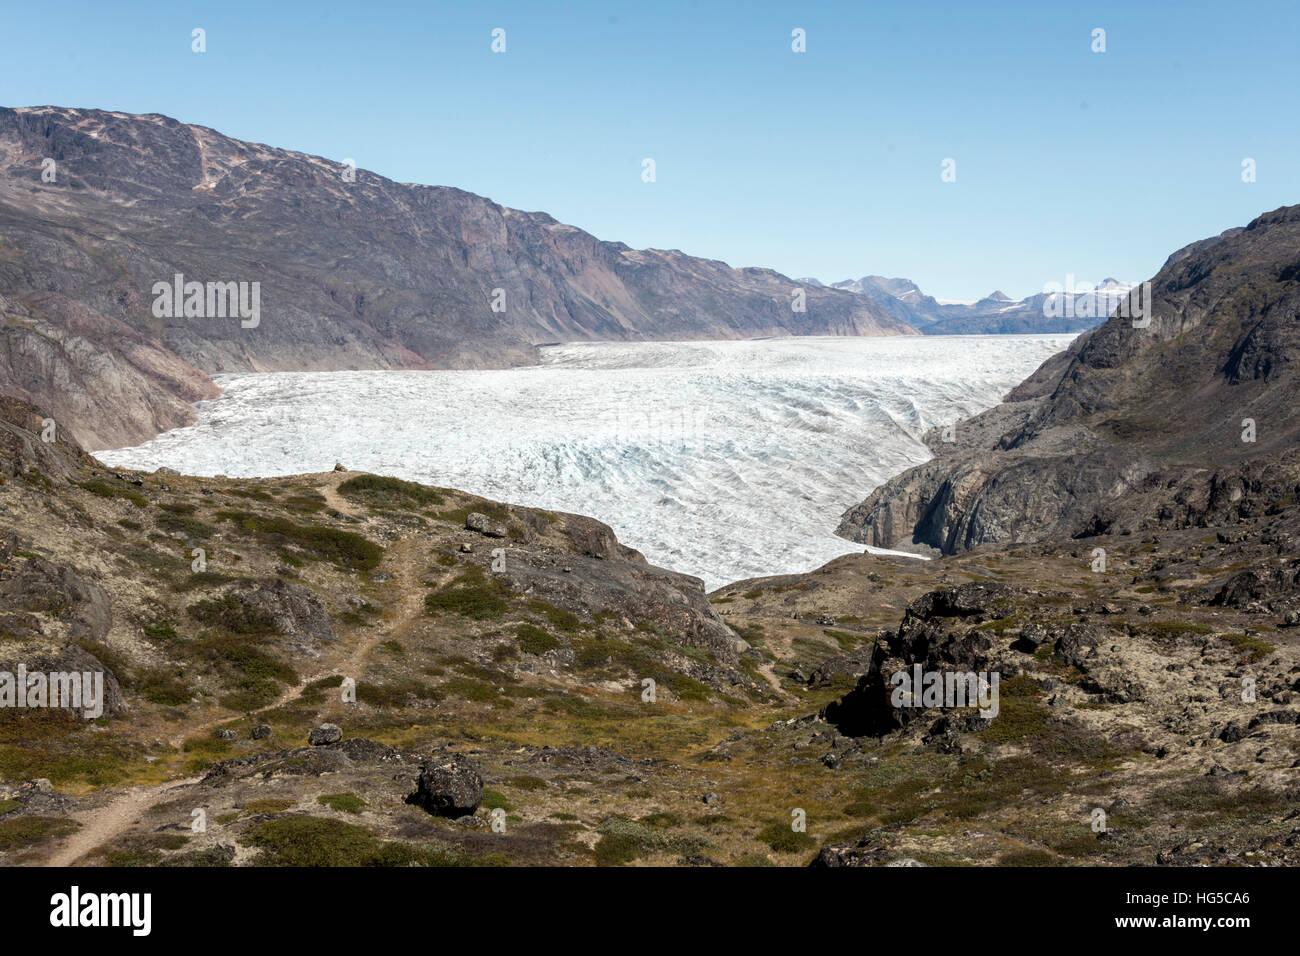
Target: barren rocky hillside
point(367, 273)
point(1134, 428)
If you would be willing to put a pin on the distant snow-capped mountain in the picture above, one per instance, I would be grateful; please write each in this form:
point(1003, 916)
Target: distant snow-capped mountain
point(1071, 306)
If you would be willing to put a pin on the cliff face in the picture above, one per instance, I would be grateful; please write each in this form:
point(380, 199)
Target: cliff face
point(103, 381)
point(1131, 428)
point(352, 274)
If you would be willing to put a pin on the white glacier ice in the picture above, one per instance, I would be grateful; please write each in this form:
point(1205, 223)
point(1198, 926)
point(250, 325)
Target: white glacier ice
point(722, 459)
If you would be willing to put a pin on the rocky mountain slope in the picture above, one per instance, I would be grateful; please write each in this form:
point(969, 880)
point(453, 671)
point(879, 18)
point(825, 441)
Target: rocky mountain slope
point(97, 207)
point(1132, 429)
point(901, 298)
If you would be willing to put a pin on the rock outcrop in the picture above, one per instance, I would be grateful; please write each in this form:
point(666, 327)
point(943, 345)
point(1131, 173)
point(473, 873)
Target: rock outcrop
point(448, 786)
point(37, 585)
point(295, 611)
point(637, 591)
point(940, 633)
point(1166, 425)
point(325, 735)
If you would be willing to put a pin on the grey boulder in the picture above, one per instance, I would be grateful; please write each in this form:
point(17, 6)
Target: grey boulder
point(325, 734)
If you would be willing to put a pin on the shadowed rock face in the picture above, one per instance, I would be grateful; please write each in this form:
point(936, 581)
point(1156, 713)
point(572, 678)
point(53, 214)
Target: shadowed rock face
point(363, 274)
point(1131, 428)
point(940, 632)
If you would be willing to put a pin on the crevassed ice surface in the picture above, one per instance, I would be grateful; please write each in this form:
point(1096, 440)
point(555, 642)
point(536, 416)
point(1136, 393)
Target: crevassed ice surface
point(725, 460)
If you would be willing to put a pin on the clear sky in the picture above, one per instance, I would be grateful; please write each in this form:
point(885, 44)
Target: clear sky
point(825, 163)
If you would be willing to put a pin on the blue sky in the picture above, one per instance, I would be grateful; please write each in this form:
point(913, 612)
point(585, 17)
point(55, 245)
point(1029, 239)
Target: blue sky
point(825, 163)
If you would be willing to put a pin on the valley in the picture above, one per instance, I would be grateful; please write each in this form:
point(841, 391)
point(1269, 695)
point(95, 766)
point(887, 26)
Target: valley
point(315, 652)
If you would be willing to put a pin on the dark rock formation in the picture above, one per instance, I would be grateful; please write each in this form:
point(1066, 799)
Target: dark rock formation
point(325, 734)
point(866, 852)
point(853, 664)
point(1186, 422)
point(1266, 583)
point(940, 632)
point(448, 786)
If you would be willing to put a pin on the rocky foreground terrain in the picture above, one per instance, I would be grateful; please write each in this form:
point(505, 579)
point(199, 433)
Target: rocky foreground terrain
point(355, 273)
point(366, 671)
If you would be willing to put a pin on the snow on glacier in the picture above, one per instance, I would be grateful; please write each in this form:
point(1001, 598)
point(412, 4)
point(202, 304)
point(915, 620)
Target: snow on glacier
point(726, 460)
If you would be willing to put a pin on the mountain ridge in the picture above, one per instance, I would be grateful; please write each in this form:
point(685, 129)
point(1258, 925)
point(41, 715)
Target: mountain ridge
point(366, 273)
point(1072, 310)
point(1133, 427)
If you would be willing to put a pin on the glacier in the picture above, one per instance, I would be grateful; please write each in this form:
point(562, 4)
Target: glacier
point(726, 460)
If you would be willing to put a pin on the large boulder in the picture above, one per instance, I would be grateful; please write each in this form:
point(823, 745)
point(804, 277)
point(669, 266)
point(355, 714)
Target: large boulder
point(485, 525)
point(975, 598)
point(940, 632)
point(324, 735)
point(448, 786)
point(67, 658)
point(595, 539)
